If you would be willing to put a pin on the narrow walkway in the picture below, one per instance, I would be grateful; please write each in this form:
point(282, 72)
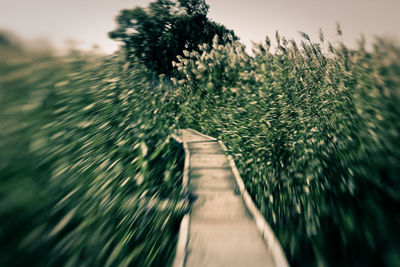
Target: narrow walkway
point(222, 232)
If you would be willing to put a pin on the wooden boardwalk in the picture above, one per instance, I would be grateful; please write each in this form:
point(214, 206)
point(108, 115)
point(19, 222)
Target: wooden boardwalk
point(220, 229)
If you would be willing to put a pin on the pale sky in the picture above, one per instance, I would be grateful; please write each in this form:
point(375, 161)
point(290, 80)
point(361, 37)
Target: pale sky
point(88, 21)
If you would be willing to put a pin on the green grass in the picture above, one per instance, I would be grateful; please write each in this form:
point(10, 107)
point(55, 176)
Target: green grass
point(314, 131)
point(89, 176)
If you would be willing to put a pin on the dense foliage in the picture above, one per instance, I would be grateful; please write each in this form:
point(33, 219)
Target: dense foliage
point(88, 176)
point(158, 34)
point(315, 133)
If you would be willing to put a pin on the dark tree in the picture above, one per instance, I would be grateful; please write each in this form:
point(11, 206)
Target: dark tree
point(158, 34)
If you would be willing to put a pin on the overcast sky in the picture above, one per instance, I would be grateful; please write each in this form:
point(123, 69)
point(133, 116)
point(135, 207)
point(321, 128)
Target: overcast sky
point(88, 21)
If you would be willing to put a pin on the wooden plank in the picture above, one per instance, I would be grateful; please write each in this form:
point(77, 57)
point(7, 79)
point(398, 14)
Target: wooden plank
point(222, 229)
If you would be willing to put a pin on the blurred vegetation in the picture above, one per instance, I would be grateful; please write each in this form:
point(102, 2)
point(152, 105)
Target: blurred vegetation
point(158, 34)
point(314, 129)
point(89, 176)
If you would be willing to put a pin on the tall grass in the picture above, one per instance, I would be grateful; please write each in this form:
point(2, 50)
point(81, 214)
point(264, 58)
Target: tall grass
point(89, 176)
point(314, 129)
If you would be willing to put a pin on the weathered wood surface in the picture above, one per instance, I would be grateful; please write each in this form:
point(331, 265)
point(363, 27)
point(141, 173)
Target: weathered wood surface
point(221, 231)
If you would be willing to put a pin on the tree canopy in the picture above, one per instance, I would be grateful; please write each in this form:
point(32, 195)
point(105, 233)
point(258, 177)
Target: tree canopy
point(159, 33)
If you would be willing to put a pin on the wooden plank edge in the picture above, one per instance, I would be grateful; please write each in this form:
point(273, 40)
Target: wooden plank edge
point(262, 225)
point(183, 235)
